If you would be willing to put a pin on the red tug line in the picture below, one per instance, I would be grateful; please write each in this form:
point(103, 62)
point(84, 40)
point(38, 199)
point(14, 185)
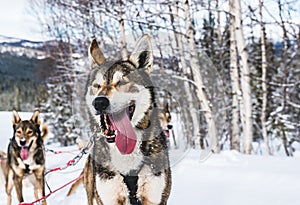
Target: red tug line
point(71, 162)
point(52, 192)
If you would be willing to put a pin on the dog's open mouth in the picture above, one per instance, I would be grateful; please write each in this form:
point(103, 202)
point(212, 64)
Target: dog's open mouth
point(24, 153)
point(116, 127)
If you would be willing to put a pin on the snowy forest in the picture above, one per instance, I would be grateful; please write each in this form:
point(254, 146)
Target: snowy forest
point(230, 70)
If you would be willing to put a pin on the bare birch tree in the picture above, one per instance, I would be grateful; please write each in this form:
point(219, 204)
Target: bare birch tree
point(234, 77)
point(219, 22)
point(200, 91)
point(245, 82)
point(122, 31)
point(179, 41)
point(285, 70)
point(263, 78)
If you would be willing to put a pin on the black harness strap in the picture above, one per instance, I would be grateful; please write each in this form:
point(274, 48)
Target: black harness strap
point(27, 170)
point(131, 183)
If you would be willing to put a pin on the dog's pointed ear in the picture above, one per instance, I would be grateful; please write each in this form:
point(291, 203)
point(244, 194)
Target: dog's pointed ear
point(96, 53)
point(36, 117)
point(167, 107)
point(16, 118)
point(142, 55)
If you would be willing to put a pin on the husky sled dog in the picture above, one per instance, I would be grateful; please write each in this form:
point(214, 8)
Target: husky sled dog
point(129, 161)
point(164, 118)
point(3, 158)
point(26, 156)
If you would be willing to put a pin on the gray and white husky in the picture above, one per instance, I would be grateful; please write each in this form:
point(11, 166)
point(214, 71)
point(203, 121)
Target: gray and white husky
point(129, 162)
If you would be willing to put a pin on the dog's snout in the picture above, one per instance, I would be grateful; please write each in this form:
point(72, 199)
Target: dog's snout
point(100, 103)
point(23, 141)
point(170, 127)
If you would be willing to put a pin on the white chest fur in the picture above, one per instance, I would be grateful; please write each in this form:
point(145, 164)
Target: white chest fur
point(127, 162)
point(30, 162)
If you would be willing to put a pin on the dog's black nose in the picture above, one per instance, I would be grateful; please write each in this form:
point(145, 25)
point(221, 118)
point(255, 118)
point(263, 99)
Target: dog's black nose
point(23, 141)
point(170, 127)
point(100, 104)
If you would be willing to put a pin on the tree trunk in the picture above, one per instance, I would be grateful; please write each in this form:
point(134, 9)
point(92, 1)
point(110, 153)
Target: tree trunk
point(101, 38)
point(200, 91)
point(122, 31)
point(245, 82)
point(285, 67)
point(263, 79)
point(219, 23)
point(191, 106)
point(234, 77)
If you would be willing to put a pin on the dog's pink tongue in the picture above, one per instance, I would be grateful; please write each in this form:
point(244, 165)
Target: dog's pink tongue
point(24, 153)
point(126, 137)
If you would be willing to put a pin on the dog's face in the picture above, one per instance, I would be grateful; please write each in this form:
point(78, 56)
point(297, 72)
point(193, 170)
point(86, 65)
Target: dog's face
point(165, 119)
point(119, 95)
point(26, 132)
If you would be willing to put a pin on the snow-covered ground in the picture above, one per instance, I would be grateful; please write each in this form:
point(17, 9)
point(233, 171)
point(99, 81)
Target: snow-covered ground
point(228, 178)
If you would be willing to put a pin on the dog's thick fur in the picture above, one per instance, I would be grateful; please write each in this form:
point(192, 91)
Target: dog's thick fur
point(164, 118)
point(3, 158)
point(129, 161)
point(26, 156)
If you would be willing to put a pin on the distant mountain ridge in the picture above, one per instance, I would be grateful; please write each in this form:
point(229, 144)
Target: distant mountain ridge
point(32, 49)
point(24, 70)
point(11, 41)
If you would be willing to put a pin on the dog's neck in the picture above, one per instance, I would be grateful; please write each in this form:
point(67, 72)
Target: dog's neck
point(151, 113)
point(145, 122)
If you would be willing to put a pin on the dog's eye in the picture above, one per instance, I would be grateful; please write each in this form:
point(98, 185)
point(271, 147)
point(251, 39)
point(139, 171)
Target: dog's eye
point(19, 132)
point(96, 85)
point(121, 83)
point(30, 132)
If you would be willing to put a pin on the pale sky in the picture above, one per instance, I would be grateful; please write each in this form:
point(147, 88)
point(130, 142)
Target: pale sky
point(14, 22)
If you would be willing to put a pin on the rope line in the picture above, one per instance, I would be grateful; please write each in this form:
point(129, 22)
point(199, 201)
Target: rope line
point(71, 162)
point(75, 160)
point(60, 152)
point(52, 192)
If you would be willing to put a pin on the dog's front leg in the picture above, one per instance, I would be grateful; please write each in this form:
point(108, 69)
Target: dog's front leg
point(151, 189)
point(89, 183)
point(18, 186)
point(9, 185)
point(40, 184)
point(112, 190)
